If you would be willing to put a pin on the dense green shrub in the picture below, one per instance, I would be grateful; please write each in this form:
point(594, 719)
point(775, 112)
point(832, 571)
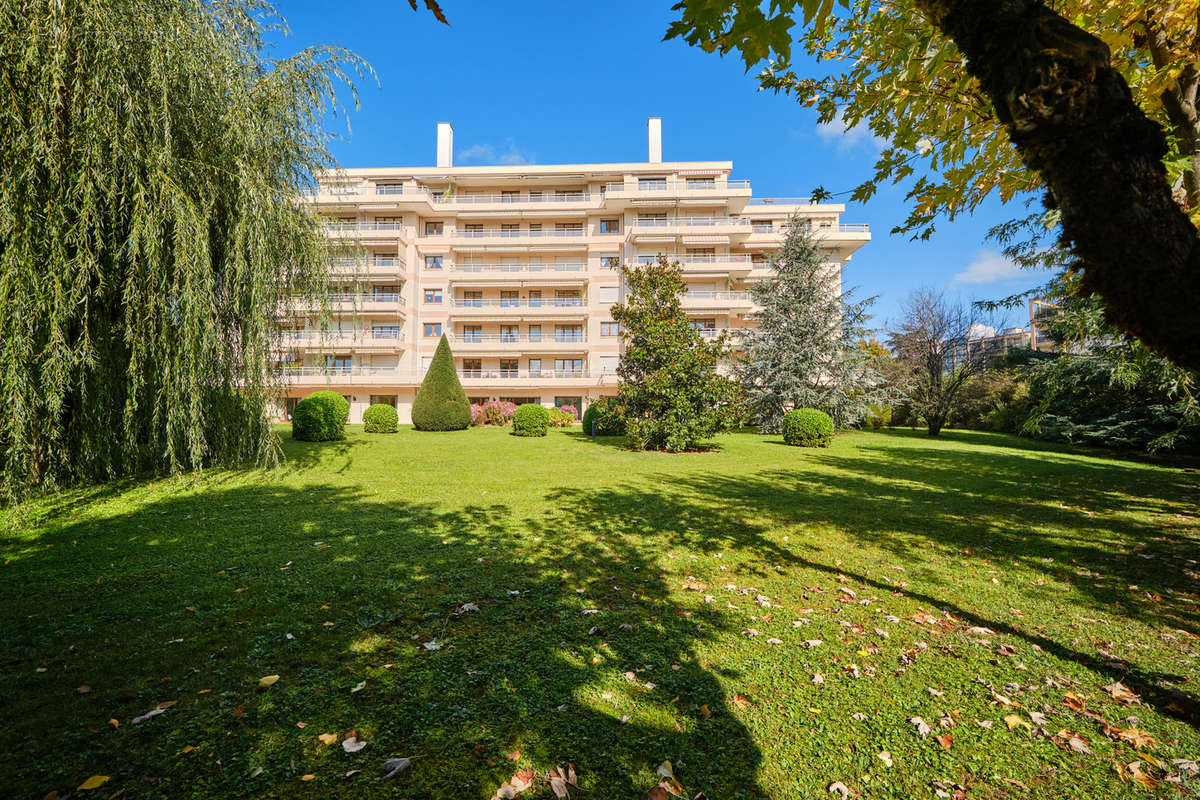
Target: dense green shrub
point(878, 415)
point(381, 418)
point(603, 418)
point(560, 418)
point(530, 419)
point(441, 404)
point(807, 427)
point(320, 417)
point(990, 401)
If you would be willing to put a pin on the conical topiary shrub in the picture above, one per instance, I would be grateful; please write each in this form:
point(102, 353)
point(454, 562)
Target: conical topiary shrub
point(441, 404)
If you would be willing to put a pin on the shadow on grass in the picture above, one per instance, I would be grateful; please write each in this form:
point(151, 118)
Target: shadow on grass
point(622, 443)
point(327, 587)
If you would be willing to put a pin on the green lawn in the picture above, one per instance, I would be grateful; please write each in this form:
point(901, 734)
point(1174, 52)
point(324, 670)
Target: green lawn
point(893, 551)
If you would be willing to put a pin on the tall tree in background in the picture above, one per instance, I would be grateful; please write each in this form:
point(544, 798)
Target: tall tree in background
point(670, 394)
point(805, 351)
point(977, 97)
point(150, 230)
point(933, 344)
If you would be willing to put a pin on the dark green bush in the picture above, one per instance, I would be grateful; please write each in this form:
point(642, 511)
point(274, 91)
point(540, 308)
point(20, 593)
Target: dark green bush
point(441, 404)
point(603, 418)
point(530, 419)
point(381, 418)
point(807, 427)
point(320, 417)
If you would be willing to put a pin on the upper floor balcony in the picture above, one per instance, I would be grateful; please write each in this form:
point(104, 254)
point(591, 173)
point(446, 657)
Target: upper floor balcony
point(715, 190)
point(718, 301)
point(365, 230)
point(547, 307)
point(364, 341)
point(386, 302)
point(502, 343)
point(378, 267)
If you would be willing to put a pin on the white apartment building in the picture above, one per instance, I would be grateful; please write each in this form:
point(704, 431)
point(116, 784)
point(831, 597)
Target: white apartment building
point(518, 266)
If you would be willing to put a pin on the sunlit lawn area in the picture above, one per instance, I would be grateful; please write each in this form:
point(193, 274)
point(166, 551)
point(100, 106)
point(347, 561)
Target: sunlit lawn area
point(961, 581)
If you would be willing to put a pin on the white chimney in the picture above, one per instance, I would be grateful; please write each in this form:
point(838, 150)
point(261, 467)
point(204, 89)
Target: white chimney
point(654, 125)
point(445, 144)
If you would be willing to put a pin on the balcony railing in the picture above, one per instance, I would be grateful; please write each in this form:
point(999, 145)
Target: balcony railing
point(672, 223)
point(339, 337)
point(346, 227)
point(550, 302)
point(505, 338)
point(676, 185)
point(580, 267)
point(542, 374)
point(377, 261)
point(515, 234)
point(395, 372)
point(371, 297)
point(707, 295)
point(521, 197)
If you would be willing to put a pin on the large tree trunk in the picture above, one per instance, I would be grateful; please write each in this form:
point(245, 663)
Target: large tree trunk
point(1073, 119)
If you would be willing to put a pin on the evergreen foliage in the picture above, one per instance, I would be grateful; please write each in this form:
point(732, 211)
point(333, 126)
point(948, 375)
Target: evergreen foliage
point(671, 396)
point(805, 350)
point(603, 418)
point(320, 417)
point(441, 404)
point(807, 427)
point(381, 418)
point(149, 231)
point(530, 419)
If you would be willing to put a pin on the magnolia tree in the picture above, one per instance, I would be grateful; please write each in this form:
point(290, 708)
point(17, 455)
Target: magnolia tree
point(805, 351)
point(670, 396)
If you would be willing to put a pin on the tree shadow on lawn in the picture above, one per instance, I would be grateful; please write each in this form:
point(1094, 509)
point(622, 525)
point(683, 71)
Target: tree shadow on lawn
point(195, 596)
point(896, 499)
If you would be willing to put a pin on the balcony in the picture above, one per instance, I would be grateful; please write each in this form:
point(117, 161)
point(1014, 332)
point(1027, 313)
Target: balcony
point(732, 194)
point(520, 268)
point(503, 309)
point(566, 201)
point(721, 301)
point(365, 341)
point(373, 302)
point(364, 230)
point(376, 268)
point(734, 264)
point(348, 376)
point(468, 342)
point(522, 377)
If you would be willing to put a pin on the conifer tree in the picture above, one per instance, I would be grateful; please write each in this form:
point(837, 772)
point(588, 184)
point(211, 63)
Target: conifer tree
point(804, 352)
point(441, 403)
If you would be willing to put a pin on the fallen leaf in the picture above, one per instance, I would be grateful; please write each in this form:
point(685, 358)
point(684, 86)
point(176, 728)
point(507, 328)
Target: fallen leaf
point(189, 748)
point(885, 757)
point(328, 738)
point(945, 740)
point(352, 744)
point(268, 680)
point(840, 789)
point(922, 726)
point(1014, 721)
point(358, 687)
point(1072, 741)
point(1074, 701)
point(94, 782)
point(741, 701)
point(393, 767)
point(239, 711)
point(307, 777)
point(301, 725)
point(116, 723)
point(84, 689)
point(1121, 693)
point(704, 712)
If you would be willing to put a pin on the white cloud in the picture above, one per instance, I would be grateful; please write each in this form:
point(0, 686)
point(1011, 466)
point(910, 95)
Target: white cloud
point(489, 154)
point(835, 131)
point(988, 267)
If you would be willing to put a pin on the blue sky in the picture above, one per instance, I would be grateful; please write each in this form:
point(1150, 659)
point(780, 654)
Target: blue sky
point(562, 82)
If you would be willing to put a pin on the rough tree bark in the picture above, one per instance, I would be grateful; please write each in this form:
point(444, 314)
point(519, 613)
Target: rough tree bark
point(1073, 119)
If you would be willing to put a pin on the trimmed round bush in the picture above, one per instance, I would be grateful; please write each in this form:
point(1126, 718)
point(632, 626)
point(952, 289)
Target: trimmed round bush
point(807, 427)
point(602, 418)
point(441, 404)
point(320, 417)
point(381, 418)
point(530, 419)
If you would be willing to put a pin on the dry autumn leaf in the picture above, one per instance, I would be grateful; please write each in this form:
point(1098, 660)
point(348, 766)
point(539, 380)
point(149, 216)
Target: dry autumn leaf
point(328, 738)
point(268, 680)
point(1121, 693)
point(94, 782)
point(945, 740)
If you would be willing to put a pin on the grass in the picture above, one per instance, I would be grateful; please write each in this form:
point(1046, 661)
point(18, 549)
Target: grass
point(335, 571)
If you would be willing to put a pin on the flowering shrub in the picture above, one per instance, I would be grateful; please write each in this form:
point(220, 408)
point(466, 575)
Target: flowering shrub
point(560, 418)
point(492, 412)
point(570, 409)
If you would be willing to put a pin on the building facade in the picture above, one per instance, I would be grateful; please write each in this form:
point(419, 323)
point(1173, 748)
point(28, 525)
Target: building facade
point(518, 266)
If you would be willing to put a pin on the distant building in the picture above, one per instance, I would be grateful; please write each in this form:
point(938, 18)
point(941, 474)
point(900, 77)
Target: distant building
point(987, 342)
point(518, 266)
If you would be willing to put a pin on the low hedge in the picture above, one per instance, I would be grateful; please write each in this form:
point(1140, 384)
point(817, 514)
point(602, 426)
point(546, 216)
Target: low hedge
point(530, 419)
point(320, 417)
point(807, 427)
point(560, 417)
point(381, 418)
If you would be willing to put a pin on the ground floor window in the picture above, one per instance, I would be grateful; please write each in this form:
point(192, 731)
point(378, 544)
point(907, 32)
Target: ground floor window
point(478, 401)
point(384, 399)
point(574, 402)
point(520, 401)
point(289, 406)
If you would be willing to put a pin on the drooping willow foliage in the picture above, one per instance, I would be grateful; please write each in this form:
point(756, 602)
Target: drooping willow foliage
point(151, 160)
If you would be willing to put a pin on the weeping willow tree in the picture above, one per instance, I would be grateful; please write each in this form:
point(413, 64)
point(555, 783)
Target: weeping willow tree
point(151, 159)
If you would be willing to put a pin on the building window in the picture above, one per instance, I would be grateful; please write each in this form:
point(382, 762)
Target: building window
point(433, 262)
point(510, 229)
point(472, 299)
point(535, 228)
point(519, 401)
point(701, 183)
point(606, 294)
point(472, 333)
point(651, 184)
point(568, 333)
point(385, 332)
point(535, 333)
point(509, 333)
point(338, 365)
point(568, 228)
point(433, 329)
point(610, 226)
point(434, 228)
point(433, 295)
point(289, 405)
point(574, 402)
point(507, 196)
point(389, 188)
point(567, 297)
point(385, 293)
point(509, 368)
point(384, 399)
point(657, 219)
point(535, 298)
point(472, 367)
point(510, 299)
point(569, 194)
point(473, 229)
point(761, 225)
point(383, 260)
point(535, 369)
point(610, 329)
point(535, 196)
point(611, 262)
